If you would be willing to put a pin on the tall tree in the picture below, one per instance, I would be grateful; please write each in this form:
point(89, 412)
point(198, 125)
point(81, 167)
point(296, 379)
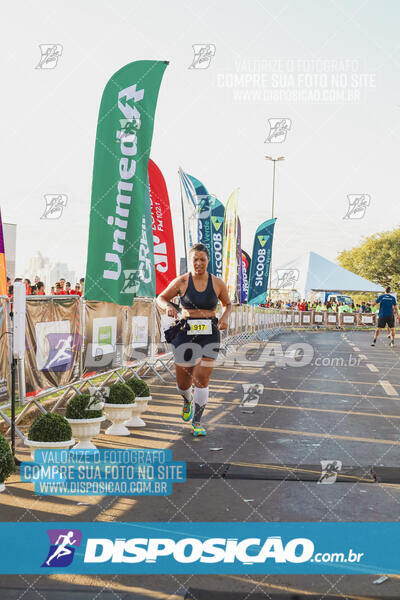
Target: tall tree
point(376, 259)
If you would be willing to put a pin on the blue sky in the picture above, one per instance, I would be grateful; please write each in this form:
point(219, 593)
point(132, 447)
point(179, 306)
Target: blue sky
point(213, 130)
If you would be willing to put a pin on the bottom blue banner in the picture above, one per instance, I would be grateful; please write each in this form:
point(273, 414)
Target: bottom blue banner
point(158, 548)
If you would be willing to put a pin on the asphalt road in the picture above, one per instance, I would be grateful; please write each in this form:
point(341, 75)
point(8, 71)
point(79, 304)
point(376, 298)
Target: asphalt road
point(327, 396)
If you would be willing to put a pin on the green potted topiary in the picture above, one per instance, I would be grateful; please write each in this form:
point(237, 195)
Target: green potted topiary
point(118, 408)
point(142, 392)
point(48, 432)
point(85, 414)
point(7, 464)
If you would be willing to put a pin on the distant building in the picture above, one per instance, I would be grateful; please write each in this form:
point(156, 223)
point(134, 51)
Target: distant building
point(41, 266)
point(61, 270)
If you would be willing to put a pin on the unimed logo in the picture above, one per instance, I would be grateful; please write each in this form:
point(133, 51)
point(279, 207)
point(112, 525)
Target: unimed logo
point(191, 550)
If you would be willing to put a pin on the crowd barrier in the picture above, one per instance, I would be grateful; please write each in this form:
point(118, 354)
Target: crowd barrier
point(71, 341)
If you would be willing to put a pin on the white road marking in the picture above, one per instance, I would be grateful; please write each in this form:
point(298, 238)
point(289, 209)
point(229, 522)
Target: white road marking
point(387, 386)
point(356, 348)
point(372, 367)
point(363, 356)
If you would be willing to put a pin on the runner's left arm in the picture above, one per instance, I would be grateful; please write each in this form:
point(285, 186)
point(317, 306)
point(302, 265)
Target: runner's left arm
point(223, 296)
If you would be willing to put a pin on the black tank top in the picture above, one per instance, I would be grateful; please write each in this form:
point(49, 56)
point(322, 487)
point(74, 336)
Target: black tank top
point(193, 299)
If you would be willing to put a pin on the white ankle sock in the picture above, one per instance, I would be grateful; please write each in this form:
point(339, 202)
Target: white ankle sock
point(185, 393)
point(200, 396)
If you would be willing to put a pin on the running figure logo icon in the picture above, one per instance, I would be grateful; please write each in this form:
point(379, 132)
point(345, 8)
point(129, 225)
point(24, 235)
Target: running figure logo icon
point(62, 547)
point(132, 282)
point(50, 53)
point(63, 347)
point(252, 393)
point(278, 129)
point(128, 127)
point(358, 204)
point(55, 204)
point(203, 53)
point(330, 470)
point(287, 278)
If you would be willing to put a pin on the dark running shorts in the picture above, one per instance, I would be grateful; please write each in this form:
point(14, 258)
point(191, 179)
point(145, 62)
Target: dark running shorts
point(188, 349)
point(388, 320)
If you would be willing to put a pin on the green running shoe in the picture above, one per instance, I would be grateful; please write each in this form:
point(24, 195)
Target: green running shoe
point(187, 408)
point(198, 429)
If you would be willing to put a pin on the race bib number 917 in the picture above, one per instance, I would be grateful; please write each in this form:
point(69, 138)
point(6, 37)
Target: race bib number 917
point(200, 326)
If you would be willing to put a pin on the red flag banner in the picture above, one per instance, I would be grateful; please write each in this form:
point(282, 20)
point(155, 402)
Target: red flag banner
point(163, 234)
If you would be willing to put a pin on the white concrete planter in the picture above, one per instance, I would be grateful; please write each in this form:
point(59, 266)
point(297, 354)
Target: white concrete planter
point(85, 430)
point(141, 404)
point(47, 445)
point(118, 414)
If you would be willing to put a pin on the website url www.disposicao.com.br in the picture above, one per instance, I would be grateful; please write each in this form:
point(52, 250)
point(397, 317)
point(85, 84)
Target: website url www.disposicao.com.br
point(213, 550)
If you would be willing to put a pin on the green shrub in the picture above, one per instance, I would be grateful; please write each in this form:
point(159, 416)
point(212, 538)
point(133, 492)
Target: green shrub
point(80, 407)
point(7, 465)
point(120, 393)
point(139, 386)
point(50, 428)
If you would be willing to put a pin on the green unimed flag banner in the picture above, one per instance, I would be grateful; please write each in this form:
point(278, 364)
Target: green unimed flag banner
point(260, 263)
point(116, 263)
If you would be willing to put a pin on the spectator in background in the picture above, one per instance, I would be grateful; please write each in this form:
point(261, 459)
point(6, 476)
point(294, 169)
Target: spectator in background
point(28, 287)
point(78, 289)
point(53, 290)
point(59, 291)
point(62, 283)
point(82, 284)
point(10, 294)
point(68, 288)
point(302, 305)
point(37, 279)
point(39, 289)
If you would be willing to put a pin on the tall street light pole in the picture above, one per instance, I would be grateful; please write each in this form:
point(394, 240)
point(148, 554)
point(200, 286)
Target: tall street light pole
point(274, 160)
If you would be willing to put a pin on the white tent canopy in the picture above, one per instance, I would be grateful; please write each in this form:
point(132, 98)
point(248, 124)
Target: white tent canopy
point(312, 272)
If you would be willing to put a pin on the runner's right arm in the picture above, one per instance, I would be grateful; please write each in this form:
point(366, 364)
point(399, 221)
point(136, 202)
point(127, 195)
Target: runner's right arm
point(164, 299)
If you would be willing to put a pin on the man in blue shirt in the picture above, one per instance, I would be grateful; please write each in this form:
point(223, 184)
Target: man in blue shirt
point(387, 310)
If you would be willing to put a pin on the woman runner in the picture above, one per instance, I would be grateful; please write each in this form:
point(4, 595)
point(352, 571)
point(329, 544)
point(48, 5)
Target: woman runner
point(197, 339)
